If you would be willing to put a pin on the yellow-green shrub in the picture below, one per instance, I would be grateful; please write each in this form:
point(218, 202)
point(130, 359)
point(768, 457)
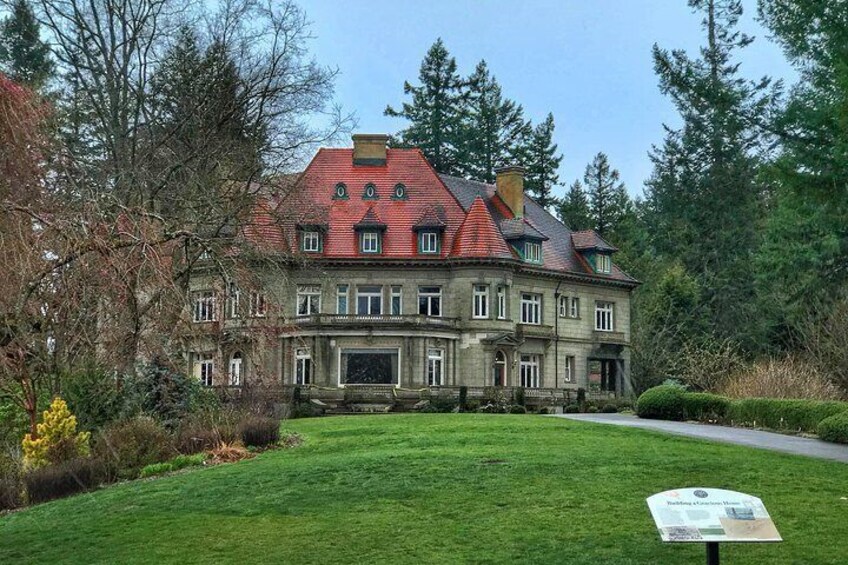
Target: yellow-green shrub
point(57, 439)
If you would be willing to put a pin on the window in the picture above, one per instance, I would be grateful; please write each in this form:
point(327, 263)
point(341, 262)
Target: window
point(563, 306)
point(397, 300)
point(399, 192)
point(369, 366)
point(369, 242)
point(603, 263)
point(259, 305)
point(302, 366)
point(370, 192)
point(529, 370)
point(531, 308)
point(574, 307)
point(235, 298)
point(430, 300)
point(603, 316)
point(308, 300)
point(341, 299)
point(501, 303)
point(533, 252)
point(204, 366)
point(204, 306)
point(435, 367)
point(369, 300)
point(340, 192)
point(481, 301)
point(311, 241)
point(569, 368)
point(428, 242)
point(235, 369)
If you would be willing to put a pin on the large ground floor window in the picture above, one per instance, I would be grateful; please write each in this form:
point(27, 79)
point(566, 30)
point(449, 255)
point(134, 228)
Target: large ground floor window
point(529, 371)
point(369, 366)
point(603, 375)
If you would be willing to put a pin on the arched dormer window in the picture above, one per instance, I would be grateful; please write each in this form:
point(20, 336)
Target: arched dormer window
point(370, 192)
point(399, 192)
point(340, 191)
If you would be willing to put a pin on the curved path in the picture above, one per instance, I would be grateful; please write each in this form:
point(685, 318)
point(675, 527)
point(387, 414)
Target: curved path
point(740, 436)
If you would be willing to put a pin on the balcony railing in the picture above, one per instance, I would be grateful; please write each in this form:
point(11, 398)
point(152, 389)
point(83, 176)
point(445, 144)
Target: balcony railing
point(610, 337)
point(373, 319)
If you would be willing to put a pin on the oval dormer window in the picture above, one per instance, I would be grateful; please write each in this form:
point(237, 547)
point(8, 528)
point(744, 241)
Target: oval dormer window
point(400, 191)
point(341, 191)
point(370, 191)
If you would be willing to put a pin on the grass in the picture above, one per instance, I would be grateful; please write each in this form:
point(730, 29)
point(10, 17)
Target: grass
point(437, 488)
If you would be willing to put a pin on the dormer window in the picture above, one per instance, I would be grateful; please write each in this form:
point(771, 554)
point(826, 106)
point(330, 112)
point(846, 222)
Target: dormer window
point(310, 241)
point(603, 263)
point(340, 192)
point(399, 192)
point(370, 192)
point(428, 242)
point(369, 242)
point(533, 252)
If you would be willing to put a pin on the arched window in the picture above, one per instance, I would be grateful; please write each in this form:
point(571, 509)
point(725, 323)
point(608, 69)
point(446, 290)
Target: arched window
point(236, 368)
point(340, 192)
point(499, 372)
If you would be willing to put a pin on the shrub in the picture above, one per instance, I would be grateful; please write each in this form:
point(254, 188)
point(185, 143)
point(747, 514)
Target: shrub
point(664, 402)
point(703, 406)
point(581, 398)
point(93, 397)
point(780, 414)
point(463, 398)
point(259, 431)
point(62, 479)
point(519, 396)
point(207, 428)
point(175, 464)
point(517, 409)
point(442, 404)
point(156, 390)
point(789, 377)
point(57, 438)
point(592, 409)
point(229, 453)
point(10, 482)
point(128, 446)
point(834, 428)
point(609, 409)
point(571, 409)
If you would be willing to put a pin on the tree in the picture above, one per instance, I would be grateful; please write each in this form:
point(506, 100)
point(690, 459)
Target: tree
point(704, 198)
point(24, 57)
point(435, 111)
point(56, 439)
point(542, 163)
point(495, 132)
point(608, 200)
point(574, 208)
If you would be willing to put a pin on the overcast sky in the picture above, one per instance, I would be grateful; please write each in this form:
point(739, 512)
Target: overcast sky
point(587, 61)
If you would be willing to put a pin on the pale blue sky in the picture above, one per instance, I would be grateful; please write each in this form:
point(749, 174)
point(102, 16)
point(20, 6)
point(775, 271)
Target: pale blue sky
point(587, 61)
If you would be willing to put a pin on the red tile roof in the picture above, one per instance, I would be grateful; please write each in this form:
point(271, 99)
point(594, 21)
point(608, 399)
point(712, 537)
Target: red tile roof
point(589, 239)
point(479, 237)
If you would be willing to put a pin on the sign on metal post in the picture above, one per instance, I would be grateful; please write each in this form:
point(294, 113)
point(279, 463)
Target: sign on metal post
point(705, 515)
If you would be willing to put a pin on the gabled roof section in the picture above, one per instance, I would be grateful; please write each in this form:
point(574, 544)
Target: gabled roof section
point(589, 240)
point(431, 219)
point(478, 235)
point(371, 220)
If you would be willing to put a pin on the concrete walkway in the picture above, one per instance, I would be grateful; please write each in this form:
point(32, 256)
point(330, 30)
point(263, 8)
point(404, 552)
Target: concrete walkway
point(740, 436)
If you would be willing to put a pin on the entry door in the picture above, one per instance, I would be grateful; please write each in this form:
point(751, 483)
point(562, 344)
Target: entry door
point(500, 369)
point(608, 375)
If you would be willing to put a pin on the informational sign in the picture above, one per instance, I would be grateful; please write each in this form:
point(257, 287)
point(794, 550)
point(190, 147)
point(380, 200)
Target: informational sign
point(711, 515)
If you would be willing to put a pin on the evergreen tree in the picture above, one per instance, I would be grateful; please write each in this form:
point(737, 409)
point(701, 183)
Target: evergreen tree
point(495, 132)
point(435, 111)
point(574, 208)
point(608, 199)
point(24, 57)
point(542, 163)
point(703, 196)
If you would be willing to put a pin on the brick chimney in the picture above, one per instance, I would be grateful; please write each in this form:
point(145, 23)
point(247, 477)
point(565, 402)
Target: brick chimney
point(370, 149)
point(510, 187)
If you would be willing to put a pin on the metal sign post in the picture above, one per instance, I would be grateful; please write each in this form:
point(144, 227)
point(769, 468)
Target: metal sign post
point(710, 516)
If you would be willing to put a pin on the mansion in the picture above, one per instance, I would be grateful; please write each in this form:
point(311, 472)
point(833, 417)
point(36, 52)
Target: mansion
point(399, 276)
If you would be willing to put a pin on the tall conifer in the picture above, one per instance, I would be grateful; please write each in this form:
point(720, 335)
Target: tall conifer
point(542, 163)
point(24, 57)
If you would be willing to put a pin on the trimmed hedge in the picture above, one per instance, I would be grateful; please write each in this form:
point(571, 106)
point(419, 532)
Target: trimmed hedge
point(703, 406)
point(664, 402)
point(834, 428)
point(780, 414)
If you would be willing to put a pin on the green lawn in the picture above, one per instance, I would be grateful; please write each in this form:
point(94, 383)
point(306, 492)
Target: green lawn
point(439, 488)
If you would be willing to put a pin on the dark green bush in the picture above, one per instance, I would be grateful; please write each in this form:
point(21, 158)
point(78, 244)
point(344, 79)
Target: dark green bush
point(63, 479)
point(703, 406)
point(93, 396)
point(259, 431)
point(609, 408)
point(167, 395)
point(591, 409)
point(780, 414)
point(206, 429)
point(442, 404)
point(581, 399)
point(127, 446)
point(517, 409)
point(463, 398)
point(519, 396)
point(834, 428)
point(664, 402)
point(571, 409)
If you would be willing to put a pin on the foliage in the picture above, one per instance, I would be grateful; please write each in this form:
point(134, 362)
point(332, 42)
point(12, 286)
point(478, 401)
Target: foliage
point(662, 402)
point(571, 409)
point(608, 200)
point(175, 464)
point(127, 446)
point(834, 428)
point(159, 391)
point(463, 398)
point(609, 409)
point(542, 164)
point(229, 453)
point(259, 431)
point(11, 486)
point(62, 479)
point(520, 396)
point(825, 342)
point(24, 56)
point(705, 407)
point(57, 439)
point(787, 377)
point(93, 396)
point(780, 414)
point(517, 409)
point(573, 210)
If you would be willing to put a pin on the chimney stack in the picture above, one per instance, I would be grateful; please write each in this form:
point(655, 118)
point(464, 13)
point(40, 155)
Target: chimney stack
point(369, 149)
point(509, 184)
